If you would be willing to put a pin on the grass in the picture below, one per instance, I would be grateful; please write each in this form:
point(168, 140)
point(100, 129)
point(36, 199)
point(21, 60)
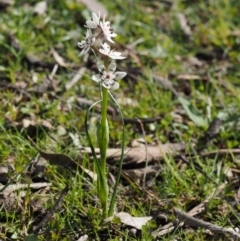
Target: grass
point(57, 119)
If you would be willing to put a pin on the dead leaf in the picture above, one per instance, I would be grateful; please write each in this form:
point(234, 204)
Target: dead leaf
point(138, 174)
point(14, 187)
point(40, 8)
point(65, 161)
point(59, 159)
point(26, 123)
point(138, 155)
point(176, 117)
point(6, 3)
point(6, 168)
point(136, 222)
point(235, 33)
point(193, 61)
point(38, 202)
point(11, 201)
point(75, 139)
point(90, 173)
point(184, 25)
point(79, 73)
point(83, 238)
point(188, 77)
point(95, 6)
point(124, 101)
point(58, 58)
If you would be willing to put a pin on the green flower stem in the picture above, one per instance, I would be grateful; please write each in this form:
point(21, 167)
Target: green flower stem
point(102, 185)
point(103, 139)
point(114, 194)
point(103, 136)
point(104, 131)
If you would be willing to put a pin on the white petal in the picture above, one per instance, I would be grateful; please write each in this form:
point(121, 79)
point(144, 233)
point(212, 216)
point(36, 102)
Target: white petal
point(112, 66)
point(84, 51)
point(91, 24)
point(120, 75)
point(104, 18)
point(96, 78)
point(113, 35)
point(113, 52)
point(116, 55)
point(95, 18)
point(106, 47)
point(89, 33)
point(115, 86)
point(93, 41)
point(100, 66)
point(102, 51)
point(109, 38)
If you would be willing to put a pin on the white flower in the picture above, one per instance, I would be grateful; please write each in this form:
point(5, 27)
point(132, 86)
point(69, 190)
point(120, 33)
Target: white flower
point(104, 26)
point(107, 30)
point(94, 23)
point(87, 43)
point(108, 78)
point(110, 53)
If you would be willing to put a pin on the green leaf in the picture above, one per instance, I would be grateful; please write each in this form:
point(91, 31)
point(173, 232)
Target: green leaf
point(192, 112)
point(31, 237)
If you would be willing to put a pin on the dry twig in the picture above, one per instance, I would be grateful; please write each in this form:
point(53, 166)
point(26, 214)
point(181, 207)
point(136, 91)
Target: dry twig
point(196, 210)
point(195, 222)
